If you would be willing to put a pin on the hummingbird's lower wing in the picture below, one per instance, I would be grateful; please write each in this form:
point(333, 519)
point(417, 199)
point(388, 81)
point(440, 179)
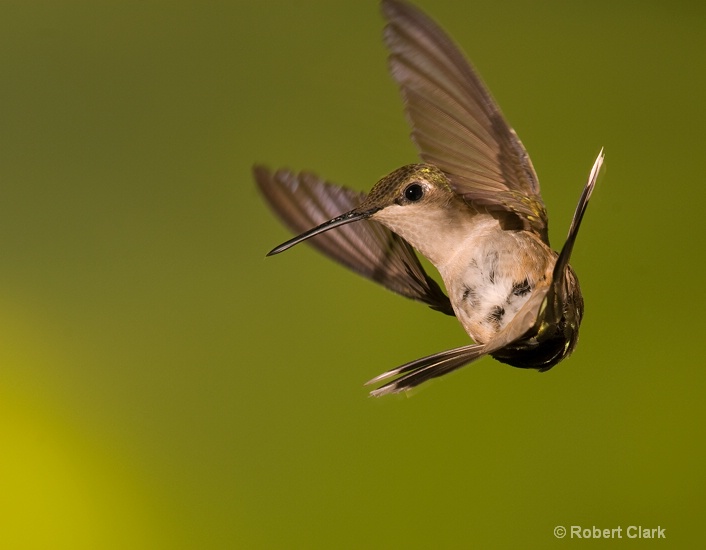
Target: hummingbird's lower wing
point(304, 200)
point(416, 372)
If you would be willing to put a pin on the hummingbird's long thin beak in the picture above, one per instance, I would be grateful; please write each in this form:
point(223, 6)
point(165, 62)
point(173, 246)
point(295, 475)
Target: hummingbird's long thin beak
point(343, 219)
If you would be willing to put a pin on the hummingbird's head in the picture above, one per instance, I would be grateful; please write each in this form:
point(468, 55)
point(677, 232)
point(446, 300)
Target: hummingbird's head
point(414, 184)
point(410, 187)
point(413, 201)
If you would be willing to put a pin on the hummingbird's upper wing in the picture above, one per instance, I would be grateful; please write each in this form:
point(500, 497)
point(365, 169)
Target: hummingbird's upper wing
point(416, 372)
point(304, 200)
point(456, 124)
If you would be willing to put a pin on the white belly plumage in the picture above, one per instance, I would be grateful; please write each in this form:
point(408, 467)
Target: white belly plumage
point(491, 281)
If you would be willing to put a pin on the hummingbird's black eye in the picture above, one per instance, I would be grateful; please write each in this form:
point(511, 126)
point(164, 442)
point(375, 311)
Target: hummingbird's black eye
point(414, 192)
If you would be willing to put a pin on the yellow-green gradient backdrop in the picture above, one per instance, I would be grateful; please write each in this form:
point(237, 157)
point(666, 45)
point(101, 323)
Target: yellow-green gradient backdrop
point(162, 385)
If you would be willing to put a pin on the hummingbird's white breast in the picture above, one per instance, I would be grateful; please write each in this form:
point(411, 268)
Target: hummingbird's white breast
point(489, 272)
point(493, 275)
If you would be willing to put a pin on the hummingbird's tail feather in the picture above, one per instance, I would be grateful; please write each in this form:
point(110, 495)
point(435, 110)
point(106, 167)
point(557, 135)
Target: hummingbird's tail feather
point(568, 247)
point(304, 200)
point(426, 368)
point(564, 282)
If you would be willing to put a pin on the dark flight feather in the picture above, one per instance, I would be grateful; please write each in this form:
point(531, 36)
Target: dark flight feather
point(304, 200)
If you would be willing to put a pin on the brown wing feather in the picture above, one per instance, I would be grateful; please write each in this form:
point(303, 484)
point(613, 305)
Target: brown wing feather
point(456, 124)
point(304, 200)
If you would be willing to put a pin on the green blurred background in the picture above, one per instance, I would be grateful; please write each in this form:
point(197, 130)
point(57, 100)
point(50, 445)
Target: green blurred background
point(162, 385)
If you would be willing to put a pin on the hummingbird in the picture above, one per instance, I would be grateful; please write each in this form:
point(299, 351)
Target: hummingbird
point(473, 208)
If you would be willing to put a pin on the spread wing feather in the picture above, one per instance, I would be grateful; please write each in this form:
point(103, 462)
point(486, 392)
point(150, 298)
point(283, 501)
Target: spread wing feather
point(304, 200)
point(456, 124)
